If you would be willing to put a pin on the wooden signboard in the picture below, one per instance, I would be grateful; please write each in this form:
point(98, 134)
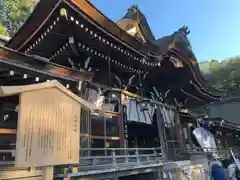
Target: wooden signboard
point(48, 129)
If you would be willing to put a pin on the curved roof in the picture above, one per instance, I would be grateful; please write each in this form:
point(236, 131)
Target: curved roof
point(41, 22)
point(135, 17)
point(45, 8)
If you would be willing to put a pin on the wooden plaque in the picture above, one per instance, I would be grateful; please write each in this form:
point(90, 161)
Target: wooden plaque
point(48, 128)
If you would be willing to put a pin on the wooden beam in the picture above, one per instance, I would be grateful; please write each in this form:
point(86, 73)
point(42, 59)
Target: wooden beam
point(7, 131)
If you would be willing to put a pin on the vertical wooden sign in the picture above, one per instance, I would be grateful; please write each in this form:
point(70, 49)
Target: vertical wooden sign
point(124, 114)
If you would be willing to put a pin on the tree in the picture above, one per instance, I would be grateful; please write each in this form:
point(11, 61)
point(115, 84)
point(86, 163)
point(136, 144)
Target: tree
point(224, 75)
point(13, 13)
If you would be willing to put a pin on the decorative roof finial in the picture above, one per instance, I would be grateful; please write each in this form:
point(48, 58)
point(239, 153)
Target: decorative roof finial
point(184, 29)
point(134, 7)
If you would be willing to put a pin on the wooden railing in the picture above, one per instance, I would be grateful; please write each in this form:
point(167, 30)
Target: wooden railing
point(110, 160)
point(102, 160)
point(99, 160)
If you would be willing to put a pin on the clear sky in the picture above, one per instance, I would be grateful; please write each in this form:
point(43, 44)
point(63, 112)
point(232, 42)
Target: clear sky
point(214, 24)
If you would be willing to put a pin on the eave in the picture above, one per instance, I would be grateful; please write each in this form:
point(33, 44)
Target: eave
point(181, 83)
point(217, 123)
point(13, 60)
point(220, 123)
point(195, 73)
point(24, 64)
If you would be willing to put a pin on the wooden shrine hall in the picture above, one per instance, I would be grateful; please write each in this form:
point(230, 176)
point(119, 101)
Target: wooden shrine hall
point(118, 66)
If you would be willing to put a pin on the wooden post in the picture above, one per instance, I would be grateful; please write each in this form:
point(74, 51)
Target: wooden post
point(189, 133)
point(121, 128)
point(179, 133)
point(123, 121)
point(225, 140)
point(1, 110)
point(161, 131)
point(180, 137)
point(48, 173)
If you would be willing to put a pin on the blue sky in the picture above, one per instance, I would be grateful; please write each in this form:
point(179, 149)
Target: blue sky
point(214, 24)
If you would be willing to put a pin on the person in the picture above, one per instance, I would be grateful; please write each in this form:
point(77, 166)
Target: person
point(218, 172)
point(233, 171)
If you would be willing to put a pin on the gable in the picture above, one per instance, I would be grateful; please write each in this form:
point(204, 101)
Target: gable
point(135, 14)
point(132, 28)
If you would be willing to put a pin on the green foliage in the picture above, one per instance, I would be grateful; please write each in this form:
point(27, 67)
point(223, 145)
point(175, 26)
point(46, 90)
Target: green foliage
point(13, 14)
point(3, 30)
point(224, 75)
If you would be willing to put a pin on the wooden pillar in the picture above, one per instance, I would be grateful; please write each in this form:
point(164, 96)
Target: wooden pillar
point(1, 110)
point(123, 122)
point(179, 132)
point(189, 135)
point(180, 137)
point(161, 131)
